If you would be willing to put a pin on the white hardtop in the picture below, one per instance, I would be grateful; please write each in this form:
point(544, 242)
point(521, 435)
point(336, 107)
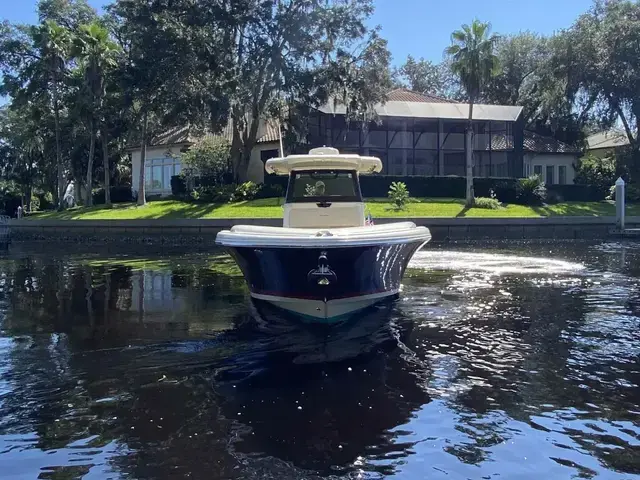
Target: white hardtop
point(324, 158)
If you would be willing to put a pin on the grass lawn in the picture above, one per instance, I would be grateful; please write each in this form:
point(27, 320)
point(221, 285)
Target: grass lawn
point(272, 208)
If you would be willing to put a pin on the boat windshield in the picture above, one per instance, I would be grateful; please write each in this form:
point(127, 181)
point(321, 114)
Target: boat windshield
point(323, 186)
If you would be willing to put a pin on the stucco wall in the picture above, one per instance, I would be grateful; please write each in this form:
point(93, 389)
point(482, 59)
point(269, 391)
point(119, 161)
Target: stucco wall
point(546, 159)
point(256, 166)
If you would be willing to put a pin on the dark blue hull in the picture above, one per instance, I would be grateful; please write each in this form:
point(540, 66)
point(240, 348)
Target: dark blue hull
point(326, 284)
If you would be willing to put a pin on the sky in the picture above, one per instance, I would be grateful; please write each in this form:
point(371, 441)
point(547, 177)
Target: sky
point(421, 28)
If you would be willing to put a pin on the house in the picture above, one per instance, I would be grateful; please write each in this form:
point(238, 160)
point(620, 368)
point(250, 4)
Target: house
point(607, 143)
point(414, 134)
point(163, 156)
point(552, 160)
point(419, 134)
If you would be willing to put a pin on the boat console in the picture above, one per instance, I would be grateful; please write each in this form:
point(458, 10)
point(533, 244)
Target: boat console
point(326, 262)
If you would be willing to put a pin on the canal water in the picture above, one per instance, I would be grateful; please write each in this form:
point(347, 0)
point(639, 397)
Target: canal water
point(509, 361)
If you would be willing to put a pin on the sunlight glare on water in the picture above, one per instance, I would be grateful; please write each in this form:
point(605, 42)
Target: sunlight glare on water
point(491, 263)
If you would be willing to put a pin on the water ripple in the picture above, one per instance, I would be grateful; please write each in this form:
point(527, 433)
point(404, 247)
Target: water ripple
point(517, 362)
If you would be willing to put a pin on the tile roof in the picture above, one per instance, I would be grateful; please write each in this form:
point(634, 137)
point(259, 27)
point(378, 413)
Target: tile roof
point(610, 139)
point(183, 135)
point(500, 142)
point(172, 136)
point(536, 143)
point(532, 142)
point(405, 95)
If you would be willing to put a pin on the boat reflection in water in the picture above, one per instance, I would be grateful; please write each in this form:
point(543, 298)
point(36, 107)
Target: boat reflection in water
point(365, 333)
point(318, 397)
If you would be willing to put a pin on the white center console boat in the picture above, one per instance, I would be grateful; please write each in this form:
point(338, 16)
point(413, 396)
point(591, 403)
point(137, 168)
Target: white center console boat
point(327, 261)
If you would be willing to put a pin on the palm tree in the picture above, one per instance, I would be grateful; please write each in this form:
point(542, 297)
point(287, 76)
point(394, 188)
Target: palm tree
point(97, 54)
point(56, 43)
point(474, 62)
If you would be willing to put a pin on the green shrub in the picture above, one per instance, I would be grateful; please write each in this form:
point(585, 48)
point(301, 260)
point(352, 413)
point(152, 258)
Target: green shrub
point(208, 157)
point(270, 191)
point(597, 172)
point(576, 193)
point(46, 200)
point(506, 190)
point(399, 195)
point(214, 194)
point(631, 193)
point(35, 203)
point(245, 191)
point(533, 191)
point(488, 203)
point(377, 186)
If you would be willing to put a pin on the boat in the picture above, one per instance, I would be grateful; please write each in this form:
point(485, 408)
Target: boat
point(327, 261)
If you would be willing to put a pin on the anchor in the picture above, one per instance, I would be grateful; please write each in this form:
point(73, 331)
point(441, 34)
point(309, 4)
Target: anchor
point(323, 275)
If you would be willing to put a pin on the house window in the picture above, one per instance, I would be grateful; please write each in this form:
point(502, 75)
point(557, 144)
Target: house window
point(549, 175)
point(537, 170)
point(158, 173)
point(527, 169)
point(562, 174)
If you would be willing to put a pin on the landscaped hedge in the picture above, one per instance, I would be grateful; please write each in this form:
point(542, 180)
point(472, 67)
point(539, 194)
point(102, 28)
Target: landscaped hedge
point(119, 194)
point(179, 186)
point(578, 193)
point(376, 186)
point(507, 190)
point(266, 190)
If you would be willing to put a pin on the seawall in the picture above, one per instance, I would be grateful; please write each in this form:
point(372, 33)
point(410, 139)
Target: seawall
point(203, 231)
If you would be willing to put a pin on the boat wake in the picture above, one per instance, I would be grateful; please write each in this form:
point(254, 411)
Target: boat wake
point(497, 264)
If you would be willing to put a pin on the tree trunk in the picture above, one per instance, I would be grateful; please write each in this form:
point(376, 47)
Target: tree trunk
point(143, 159)
point(28, 195)
point(77, 190)
point(56, 116)
point(29, 185)
point(470, 195)
point(242, 173)
point(92, 148)
point(105, 164)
